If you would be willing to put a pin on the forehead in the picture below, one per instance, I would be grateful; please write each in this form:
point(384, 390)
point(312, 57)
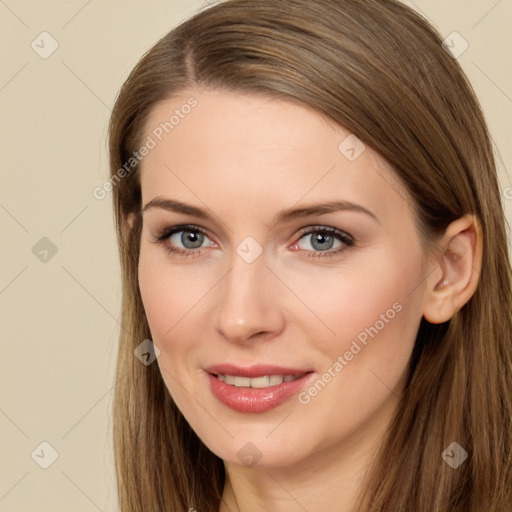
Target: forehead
point(239, 122)
point(255, 151)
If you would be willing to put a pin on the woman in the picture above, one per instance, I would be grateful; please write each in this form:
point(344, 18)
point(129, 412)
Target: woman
point(313, 244)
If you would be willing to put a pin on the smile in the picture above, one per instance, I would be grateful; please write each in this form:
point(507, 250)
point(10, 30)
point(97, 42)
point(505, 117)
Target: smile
point(255, 389)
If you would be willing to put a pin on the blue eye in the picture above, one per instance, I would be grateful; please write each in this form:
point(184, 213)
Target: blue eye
point(189, 239)
point(320, 241)
point(323, 241)
point(184, 240)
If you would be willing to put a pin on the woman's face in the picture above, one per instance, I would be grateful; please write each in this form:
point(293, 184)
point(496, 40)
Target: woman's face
point(274, 247)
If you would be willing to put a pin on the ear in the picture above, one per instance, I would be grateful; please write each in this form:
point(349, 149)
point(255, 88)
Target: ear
point(457, 266)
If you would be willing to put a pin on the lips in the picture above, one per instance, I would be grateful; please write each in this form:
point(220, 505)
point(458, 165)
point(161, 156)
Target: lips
point(256, 388)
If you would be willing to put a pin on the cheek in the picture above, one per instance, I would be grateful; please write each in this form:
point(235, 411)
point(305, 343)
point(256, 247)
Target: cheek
point(170, 299)
point(169, 294)
point(175, 301)
point(373, 314)
point(365, 361)
point(358, 303)
point(159, 303)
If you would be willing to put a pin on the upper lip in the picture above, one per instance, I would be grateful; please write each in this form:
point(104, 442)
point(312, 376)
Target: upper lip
point(258, 370)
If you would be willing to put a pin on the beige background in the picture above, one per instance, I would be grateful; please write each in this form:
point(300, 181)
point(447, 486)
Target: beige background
point(59, 317)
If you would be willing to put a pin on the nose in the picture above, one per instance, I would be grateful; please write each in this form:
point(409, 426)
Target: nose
point(249, 303)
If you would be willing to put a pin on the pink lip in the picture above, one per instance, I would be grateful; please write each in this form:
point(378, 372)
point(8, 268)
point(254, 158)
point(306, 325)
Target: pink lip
point(254, 400)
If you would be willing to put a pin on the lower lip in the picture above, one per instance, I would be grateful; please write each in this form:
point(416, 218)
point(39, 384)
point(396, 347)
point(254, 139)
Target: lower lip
point(244, 399)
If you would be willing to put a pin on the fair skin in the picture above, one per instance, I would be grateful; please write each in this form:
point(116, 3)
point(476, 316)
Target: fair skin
point(245, 159)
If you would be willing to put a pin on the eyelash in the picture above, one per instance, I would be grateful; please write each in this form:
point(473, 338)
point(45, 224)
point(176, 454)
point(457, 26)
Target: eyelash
point(163, 236)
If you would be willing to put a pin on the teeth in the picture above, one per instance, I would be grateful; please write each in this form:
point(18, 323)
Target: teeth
point(275, 380)
point(228, 379)
point(257, 382)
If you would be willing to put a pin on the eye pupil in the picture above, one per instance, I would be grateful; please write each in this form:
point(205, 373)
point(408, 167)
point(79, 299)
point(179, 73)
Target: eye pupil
point(322, 242)
point(192, 240)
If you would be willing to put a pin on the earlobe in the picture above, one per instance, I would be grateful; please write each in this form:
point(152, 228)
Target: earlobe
point(457, 266)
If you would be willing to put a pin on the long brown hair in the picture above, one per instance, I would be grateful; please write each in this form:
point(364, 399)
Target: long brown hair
point(378, 69)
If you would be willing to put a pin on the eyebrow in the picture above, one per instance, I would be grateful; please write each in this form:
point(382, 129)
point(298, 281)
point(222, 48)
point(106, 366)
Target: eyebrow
point(284, 216)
